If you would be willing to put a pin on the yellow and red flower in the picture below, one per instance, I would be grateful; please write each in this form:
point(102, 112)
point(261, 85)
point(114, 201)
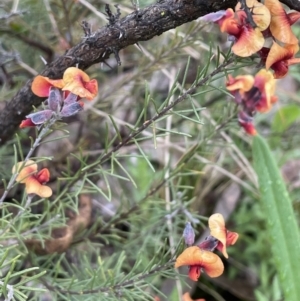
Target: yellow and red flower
point(218, 230)
point(79, 83)
point(33, 179)
point(252, 94)
point(280, 58)
point(198, 259)
point(74, 80)
point(280, 25)
point(247, 39)
point(201, 257)
point(265, 83)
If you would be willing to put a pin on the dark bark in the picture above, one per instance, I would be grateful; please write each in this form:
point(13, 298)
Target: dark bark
point(138, 26)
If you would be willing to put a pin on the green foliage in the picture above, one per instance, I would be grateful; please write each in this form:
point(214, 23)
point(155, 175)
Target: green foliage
point(285, 117)
point(158, 147)
point(281, 221)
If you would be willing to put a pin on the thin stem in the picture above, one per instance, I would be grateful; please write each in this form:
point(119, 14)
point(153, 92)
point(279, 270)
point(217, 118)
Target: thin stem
point(163, 112)
point(117, 286)
point(167, 157)
point(52, 19)
point(20, 212)
point(13, 242)
point(93, 9)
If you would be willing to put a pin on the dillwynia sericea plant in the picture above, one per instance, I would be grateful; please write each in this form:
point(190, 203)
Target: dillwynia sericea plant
point(49, 219)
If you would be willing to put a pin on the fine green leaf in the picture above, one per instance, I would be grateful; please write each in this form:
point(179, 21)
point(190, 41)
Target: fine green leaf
point(281, 222)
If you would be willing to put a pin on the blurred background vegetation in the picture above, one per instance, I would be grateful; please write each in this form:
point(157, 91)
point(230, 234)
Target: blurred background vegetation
point(193, 162)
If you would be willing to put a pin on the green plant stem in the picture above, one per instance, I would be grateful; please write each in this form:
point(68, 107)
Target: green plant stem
point(151, 121)
point(115, 287)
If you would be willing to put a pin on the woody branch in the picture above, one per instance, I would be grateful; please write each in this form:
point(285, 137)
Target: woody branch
point(141, 25)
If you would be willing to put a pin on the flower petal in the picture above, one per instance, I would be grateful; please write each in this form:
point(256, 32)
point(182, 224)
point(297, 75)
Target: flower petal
point(217, 228)
point(28, 170)
point(194, 272)
point(265, 82)
point(212, 264)
point(26, 123)
point(34, 187)
point(79, 83)
point(196, 256)
point(43, 176)
point(260, 13)
point(242, 83)
point(293, 17)
point(231, 238)
point(280, 58)
point(278, 53)
point(280, 25)
point(190, 256)
point(249, 42)
point(41, 85)
point(229, 24)
point(92, 87)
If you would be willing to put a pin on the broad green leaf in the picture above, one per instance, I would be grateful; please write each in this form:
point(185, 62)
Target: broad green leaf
point(285, 117)
point(281, 222)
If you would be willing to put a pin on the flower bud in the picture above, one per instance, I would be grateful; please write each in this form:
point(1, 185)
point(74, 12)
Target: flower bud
point(189, 234)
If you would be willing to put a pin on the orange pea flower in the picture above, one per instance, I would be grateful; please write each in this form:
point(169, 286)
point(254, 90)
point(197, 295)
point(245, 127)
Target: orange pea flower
point(280, 58)
point(247, 40)
point(265, 83)
point(74, 80)
point(280, 25)
point(242, 83)
point(258, 97)
point(187, 297)
point(41, 85)
point(260, 13)
point(198, 259)
point(79, 83)
point(251, 40)
point(217, 228)
point(33, 179)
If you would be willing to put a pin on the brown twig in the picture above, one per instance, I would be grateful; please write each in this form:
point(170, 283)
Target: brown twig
point(141, 25)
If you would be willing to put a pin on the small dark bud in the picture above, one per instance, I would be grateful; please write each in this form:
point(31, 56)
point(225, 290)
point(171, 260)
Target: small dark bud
point(189, 234)
point(210, 243)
